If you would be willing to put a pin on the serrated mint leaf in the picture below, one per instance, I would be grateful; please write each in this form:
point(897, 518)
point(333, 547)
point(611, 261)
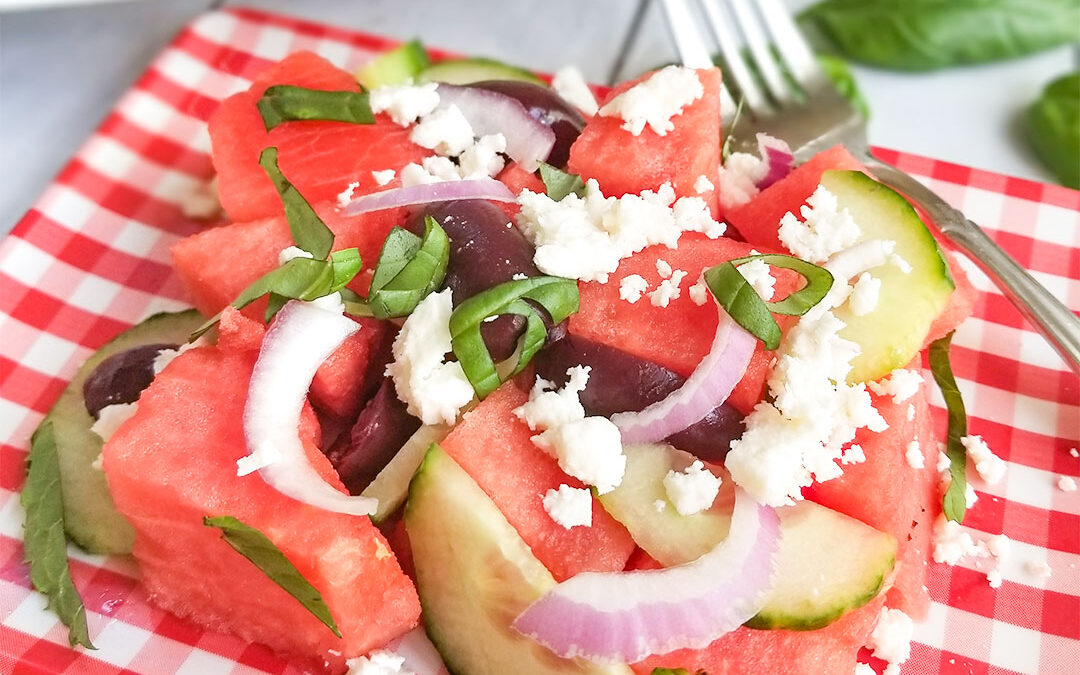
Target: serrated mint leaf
point(558, 183)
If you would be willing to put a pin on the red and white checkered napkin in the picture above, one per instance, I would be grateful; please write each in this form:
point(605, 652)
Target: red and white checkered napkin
point(91, 258)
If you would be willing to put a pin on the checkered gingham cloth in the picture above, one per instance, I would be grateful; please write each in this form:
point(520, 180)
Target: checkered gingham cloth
point(91, 258)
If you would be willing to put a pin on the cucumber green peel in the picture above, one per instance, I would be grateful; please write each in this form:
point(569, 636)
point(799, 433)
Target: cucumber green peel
point(397, 66)
point(286, 103)
point(954, 503)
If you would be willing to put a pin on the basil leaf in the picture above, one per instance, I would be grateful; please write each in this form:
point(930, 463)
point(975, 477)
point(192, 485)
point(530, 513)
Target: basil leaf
point(931, 34)
point(558, 183)
point(1053, 128)
point(837, 70)
point(257, 547)
point(308, 230)
point(955, 501)
point(274, 303)
point(354, 304)
point(557, 296)
point(44, 541)
point(745, 306)
point(345, 265)
point(411, 273)
point(286, 103)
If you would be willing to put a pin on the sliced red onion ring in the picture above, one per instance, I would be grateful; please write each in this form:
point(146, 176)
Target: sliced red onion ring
point(622, 617)
point(302, 336)
point(528, 141)
point(777, 156)
point(707, 387)
point(479, 188)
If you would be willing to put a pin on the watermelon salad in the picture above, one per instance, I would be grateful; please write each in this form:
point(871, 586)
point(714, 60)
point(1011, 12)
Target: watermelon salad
point(485, 374)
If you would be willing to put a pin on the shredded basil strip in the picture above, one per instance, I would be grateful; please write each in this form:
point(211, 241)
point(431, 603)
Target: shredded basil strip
point(257, 547)
point(286, 103)
point(44, 541)
point(557, 296)
point(308, 230)
point(955, 501)
point(559, 183)
point(741, 301)
point(409, 268)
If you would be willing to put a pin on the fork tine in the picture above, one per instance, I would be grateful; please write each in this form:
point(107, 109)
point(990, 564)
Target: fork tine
point(790, 44)
point(752, 94)
point(691, 47)
point(760, 51)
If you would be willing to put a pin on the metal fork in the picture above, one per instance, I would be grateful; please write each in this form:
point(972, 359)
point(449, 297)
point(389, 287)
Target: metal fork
point(786, 94)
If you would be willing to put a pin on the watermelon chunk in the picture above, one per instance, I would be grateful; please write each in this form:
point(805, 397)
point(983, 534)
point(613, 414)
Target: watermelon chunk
point(350, 376)
point(175, 462)
point(623, 163)
point(496, 449)
point(320, 158)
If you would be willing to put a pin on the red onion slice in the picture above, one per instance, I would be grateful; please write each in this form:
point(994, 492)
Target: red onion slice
point(707, 387)
point(622, 617)
point(528, 141)
point(480, 188)
point(302, 336)
point(777, 156)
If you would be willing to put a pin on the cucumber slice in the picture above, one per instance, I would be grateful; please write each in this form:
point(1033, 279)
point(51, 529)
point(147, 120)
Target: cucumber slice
point(892, 334)
point(90, 518)
point(467, 71)
point(474, 575)
point(828, 563)
point(391, 485)
point(396, 66)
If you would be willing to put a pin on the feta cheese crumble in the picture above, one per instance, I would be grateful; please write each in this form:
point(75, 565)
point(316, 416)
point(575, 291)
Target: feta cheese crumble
point(901, 384)
point(632, 287)
point(111, 417)
point(291, 253)
point(432, 389)
point(756, 273)
point(824, 230)
point(699, 292)
point(569, 506)
point(382, 177)
point(445, 130)
point(891, 639)
point(482, 158)
point(570, 84)
point(668, 290)
point(1073, 452)
point(346, 195)
point(663, 268)
point(692, 490)
point(378, 662)
point(991, 468)
point(914, 456)
point(738, 177)
point(405, 103)
point(702, 185)
point(864, 294)
point(656, 100)
point(1066, 484)
point(1038, 569)
point(951, 542)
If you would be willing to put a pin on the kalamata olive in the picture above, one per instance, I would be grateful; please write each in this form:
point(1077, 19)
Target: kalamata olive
point(547, 107)
point(379, 432)
point(121, 377)
point(621, 382)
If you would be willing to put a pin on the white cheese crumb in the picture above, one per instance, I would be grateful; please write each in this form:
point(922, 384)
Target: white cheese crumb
point(901, 384)
point(414, 174)
point(692, 490)
point(738, 178)
point(900, 264)
point(111, 417)
point(588, 449)
point(656, 100)
point(166, 356)
point(756, 273)
point(1038, 569)
point(1074, 452)
point(569, 506)
point(1066, 484)
point(632, 287)
point(570, 84)
point(891, 639)
point(864, 669)
point(547, 408)
point(911, 411)
point(441, 168)
point(914, 456)
point(951, 542)
point(990, 467)
point(432, 389)
point(405, 103)
point(482, 158)
point(702, 185)
point(999, 546)
point(699, 292)
point(970, 496)
point(291, 253)
point(378, 662)
point(864, 294)
point(943, 462)
point(660, 505)
point(663, 269)
point(825, 229)
point(853, 454)
point(993, 578)
point(668, 290)
point(446, 131)
point(345, 196)
point(382, 177)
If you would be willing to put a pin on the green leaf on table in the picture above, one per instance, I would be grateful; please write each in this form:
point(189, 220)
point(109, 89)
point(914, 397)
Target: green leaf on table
point(1053, 128)
point(286, 103)
point(43, 539)
point(932, 34)
point(409, 268)
point(954, 503)
point(257, 547)
point(558, 183)
point(838, 70)
point(308, 230)
point(745, 306)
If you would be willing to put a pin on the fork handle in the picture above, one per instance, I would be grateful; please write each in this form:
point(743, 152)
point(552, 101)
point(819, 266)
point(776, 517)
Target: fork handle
point(1059, 326)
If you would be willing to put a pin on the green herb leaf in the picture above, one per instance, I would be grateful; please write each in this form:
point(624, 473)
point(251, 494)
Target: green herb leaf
point(837, 70)
point(346, 264)
point(676, 671)
point(557, 296)
point(257, 547)
point(408, 269)
point(741, 301)
point(354, 304)
point(286, 103)
point(955, 501)
point(558, 183)
point(308, 230)
point(931, 34)
point(44, 540)
point(1053, 128)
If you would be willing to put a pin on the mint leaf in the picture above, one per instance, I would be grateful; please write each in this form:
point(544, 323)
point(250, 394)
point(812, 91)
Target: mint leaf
point(257, 547)
point(286, 103)
point(558, 183)
point(308, 230)
point(1053, 128)
point(43, 538)
point(955, 501)
point(409, 268)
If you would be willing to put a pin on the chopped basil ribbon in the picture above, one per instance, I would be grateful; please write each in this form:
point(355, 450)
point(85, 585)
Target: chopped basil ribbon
point(557, 296)
point(954, 503)
point(409, 268)
point(308, 230)
point(257, 547)
point(741, 301)
point(286, 103)
point(43, 540)
point(558, 183)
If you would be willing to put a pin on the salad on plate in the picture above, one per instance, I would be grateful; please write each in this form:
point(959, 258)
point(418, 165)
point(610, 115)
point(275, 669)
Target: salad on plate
point(486, 373)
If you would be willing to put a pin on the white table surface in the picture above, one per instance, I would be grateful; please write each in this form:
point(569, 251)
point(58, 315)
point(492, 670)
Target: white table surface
point(62, 69)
